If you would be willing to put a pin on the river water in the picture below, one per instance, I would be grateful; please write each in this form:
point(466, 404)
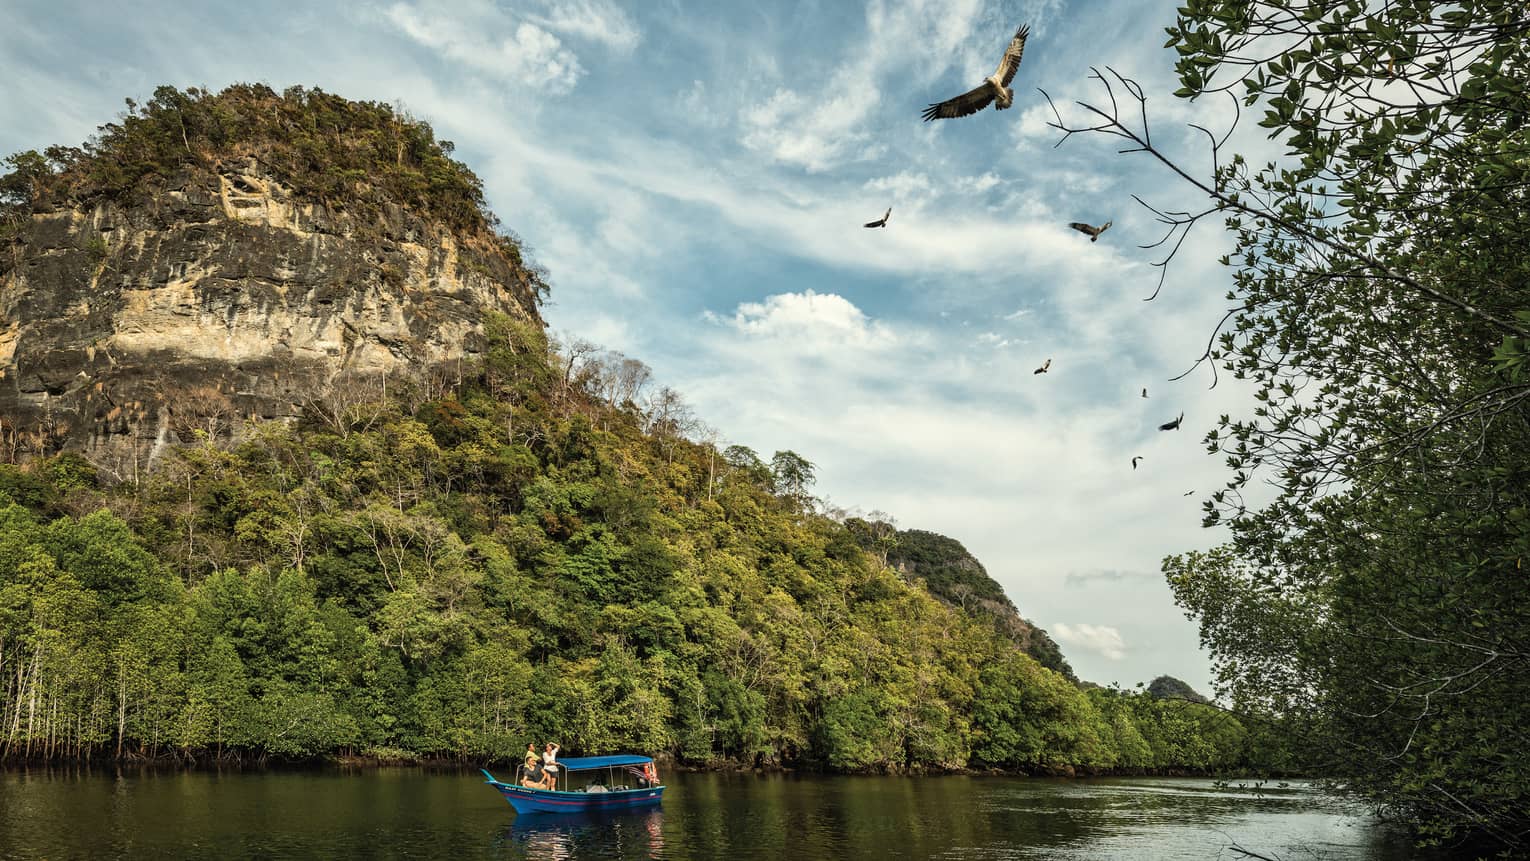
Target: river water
point(416, 813)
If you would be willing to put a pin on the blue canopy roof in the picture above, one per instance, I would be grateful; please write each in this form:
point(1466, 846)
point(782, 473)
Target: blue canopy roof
point(584, 763)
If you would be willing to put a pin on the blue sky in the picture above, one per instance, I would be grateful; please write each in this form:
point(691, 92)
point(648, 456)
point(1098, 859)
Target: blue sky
point(694, 177)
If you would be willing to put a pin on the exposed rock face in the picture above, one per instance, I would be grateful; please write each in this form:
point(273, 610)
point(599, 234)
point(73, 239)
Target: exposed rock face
point(122, 328)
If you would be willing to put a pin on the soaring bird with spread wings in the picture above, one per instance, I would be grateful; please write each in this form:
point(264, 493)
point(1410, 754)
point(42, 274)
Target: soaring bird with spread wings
point(880, 222)
point(1089, 229)
point(996, 87)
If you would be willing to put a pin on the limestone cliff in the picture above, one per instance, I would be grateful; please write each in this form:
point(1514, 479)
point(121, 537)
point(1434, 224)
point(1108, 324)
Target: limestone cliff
point(217, 293)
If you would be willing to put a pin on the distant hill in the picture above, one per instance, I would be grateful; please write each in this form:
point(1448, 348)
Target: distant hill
point(955, 576)
point(1170, 688)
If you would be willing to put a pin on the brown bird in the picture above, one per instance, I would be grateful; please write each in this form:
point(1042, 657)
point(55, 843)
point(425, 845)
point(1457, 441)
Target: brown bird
point(995, 87)
point(1094, 232)
point(1174, 425)
point(1134, 461)
point(881, 222)
point(1043, 368)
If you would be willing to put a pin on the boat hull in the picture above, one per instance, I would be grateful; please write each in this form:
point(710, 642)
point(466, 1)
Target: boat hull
point(526, 800)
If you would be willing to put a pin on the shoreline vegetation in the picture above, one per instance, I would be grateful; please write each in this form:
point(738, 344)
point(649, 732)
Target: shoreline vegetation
point(363, 762)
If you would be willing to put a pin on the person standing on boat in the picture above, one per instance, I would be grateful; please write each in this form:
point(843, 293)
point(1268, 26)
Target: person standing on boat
point(550, 762)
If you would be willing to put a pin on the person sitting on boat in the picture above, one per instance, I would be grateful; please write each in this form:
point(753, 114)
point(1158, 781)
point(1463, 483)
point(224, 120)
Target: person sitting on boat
point(533, 776)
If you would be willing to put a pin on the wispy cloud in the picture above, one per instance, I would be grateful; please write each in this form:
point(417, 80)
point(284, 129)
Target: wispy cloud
point(596, 20)
point(491, 45)
point(828, 124)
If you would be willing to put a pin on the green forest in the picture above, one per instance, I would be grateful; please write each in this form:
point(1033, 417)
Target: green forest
point(519, 559)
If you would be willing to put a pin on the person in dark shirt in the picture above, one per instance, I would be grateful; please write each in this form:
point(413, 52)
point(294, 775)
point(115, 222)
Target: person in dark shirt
point(532, 775)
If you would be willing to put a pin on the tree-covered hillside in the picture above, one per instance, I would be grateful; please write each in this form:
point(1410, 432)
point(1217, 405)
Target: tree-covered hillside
point(955, 576)
point(525, 554)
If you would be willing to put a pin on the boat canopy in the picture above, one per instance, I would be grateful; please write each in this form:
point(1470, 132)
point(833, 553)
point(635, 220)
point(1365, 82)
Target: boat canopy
point(585, 763)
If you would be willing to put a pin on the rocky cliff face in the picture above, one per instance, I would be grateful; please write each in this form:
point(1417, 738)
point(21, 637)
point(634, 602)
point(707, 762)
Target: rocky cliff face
point(126, 327)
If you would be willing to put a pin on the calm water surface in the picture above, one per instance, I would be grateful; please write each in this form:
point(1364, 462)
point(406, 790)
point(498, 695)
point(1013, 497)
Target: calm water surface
point(413, 813)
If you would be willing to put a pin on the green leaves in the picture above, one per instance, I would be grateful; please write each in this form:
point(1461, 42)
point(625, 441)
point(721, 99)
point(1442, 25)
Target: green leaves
point(1512, 357)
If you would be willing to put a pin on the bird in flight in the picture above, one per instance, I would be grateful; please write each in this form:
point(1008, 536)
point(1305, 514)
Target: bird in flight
point(995, 87)
point(1174, 425)
point(1094, 232)
point(1134, 461)
point(1044, 366)
point(1187, 493)
point(1144, 393)
point(881, 222)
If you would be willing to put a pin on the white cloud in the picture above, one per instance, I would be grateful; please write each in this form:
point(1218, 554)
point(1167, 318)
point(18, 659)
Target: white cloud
point(814, 133)
point(595, 20)
point(1100, 639)
point(810, 321)
point(977, 184)
point(1032, 129)
point(523, 53)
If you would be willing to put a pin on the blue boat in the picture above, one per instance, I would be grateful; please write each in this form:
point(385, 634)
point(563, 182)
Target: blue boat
point(586, 783)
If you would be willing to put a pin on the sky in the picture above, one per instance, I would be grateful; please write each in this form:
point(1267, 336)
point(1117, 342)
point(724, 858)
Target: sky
point(694, 177)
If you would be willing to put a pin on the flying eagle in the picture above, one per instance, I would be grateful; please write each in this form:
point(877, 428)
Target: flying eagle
point(1094, 232)
point(1043, 368)
point(1174, 425)
point(1134, 461)
point(996, 87)
point(881, 222)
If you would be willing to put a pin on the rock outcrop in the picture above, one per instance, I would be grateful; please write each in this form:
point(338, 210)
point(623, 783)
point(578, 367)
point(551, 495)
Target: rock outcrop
point(221, 296)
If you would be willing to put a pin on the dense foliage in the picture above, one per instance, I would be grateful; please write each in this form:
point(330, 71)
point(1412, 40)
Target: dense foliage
point(525, 555)
point(1382, 308)
point(354, 156)
point(954, 575)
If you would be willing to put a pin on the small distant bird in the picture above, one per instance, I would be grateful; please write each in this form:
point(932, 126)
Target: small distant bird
point(1043, 368)
point(881, 222)
point(1187, 493)
point(1144, 393)
point(1134, 461)
point(1174, 425)
point(995, 87)
point(1094, 232)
